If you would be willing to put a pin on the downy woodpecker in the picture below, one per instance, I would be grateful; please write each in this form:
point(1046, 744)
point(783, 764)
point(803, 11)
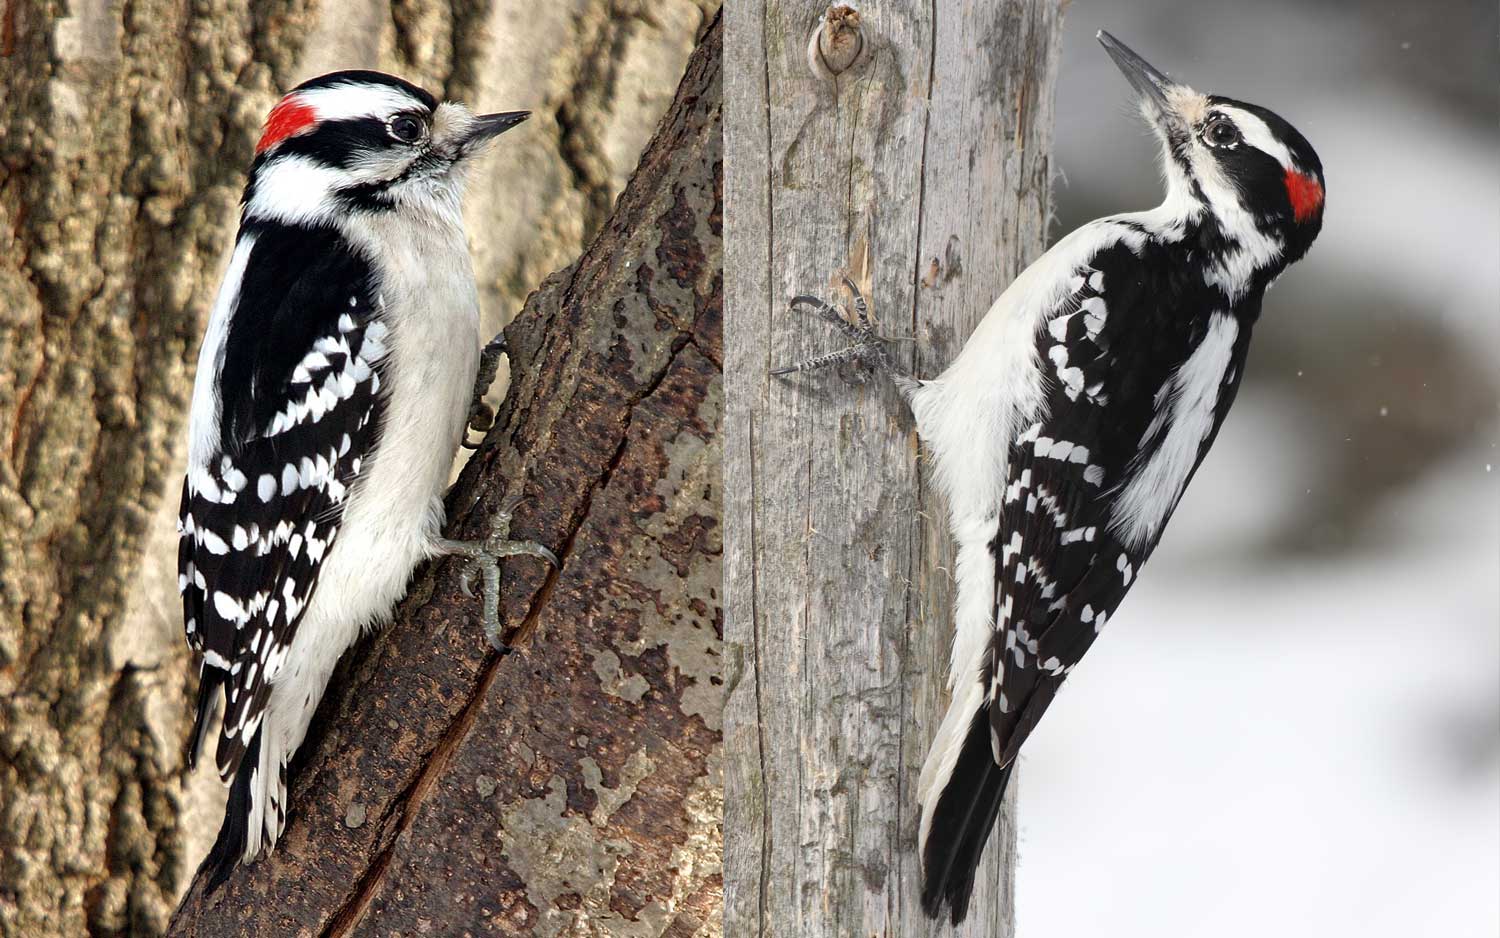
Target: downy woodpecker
point(1064, 434)
point(335, 383)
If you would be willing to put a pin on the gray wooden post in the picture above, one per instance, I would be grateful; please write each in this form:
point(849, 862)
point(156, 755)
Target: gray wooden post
point(923, 169)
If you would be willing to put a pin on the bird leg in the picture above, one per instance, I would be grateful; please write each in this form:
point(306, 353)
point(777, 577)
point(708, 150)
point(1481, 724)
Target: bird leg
point(481, 414)
point(484, 559)
point(867, 346)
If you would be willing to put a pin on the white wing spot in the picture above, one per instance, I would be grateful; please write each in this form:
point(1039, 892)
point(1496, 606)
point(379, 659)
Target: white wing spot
point(1059, 327)
point(213, 542)
point(229, 607)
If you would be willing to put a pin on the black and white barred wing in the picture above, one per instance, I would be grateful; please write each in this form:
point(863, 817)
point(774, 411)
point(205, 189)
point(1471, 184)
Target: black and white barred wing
point(1060, 569)
point(260, 517)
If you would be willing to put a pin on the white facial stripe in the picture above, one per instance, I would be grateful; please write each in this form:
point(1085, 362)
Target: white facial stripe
point(1258, 134)
point(346, 102)
point(294, 190)
point(1253, 248)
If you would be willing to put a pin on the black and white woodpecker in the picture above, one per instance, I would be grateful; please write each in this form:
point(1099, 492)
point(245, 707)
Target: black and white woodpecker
point(1064, 434)
point(336, 380)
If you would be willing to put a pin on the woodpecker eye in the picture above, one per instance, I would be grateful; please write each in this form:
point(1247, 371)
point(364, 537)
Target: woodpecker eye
point(405, 128)
point(1221, 133)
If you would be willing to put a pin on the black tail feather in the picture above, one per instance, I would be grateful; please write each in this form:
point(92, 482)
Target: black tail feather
point(209, 680)
point(229, 846)
point(961, 823)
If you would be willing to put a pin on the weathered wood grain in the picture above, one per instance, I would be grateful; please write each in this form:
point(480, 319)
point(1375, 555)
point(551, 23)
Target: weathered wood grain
point(571, 787)
point(924, 171)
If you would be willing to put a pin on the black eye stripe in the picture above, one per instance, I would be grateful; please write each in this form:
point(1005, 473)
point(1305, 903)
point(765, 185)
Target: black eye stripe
point(334, 143)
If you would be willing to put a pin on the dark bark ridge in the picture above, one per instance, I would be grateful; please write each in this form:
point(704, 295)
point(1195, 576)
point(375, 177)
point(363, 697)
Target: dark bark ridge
point(574, 785)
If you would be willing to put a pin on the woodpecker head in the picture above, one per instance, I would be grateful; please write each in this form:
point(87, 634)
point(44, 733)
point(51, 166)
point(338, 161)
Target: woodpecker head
point(1257, 176)
point(360, 141)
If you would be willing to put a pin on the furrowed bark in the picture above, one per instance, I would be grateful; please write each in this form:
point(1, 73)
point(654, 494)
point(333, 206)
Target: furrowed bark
point(923, 171)
point(573, 786)
point(125, 132)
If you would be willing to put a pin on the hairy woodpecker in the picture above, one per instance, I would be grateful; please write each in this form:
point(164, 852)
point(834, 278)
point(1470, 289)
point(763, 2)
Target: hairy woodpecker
point(335, 383)
point(1064, 434)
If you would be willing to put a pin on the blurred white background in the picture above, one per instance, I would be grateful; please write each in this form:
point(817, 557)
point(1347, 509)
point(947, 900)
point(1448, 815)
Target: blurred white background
point(1292, 728)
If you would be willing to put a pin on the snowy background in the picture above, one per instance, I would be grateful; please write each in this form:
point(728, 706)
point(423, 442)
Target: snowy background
point(1292, 728)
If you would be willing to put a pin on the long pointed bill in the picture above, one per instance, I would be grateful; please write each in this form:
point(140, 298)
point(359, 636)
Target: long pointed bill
point(488, 126)
point(1149, 83)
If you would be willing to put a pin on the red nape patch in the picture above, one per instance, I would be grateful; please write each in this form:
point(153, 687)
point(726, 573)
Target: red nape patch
point(290, 116)
point(1306, 194)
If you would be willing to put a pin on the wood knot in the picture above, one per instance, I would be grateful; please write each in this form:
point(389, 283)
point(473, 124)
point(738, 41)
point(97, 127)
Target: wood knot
point(836, 43)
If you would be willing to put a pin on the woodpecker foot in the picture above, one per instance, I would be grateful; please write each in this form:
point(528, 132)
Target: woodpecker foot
point(867, 346)
point(484, 561)
point(481, 414)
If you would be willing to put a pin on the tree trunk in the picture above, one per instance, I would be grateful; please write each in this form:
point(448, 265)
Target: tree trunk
point(125, 131)
point(922, 170)
point(573, 786)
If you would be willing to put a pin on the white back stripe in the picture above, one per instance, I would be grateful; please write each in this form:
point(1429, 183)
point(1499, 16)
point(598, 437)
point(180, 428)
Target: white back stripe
point(294, 190)
point(1151, 493)
point(203, 417)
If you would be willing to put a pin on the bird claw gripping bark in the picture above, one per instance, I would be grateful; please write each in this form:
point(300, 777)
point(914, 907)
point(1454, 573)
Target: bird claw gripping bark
point(481, 414)
point(866, 346)
point(484, 560)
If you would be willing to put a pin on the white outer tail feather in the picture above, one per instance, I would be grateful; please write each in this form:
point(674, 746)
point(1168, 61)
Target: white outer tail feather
point(944, 753)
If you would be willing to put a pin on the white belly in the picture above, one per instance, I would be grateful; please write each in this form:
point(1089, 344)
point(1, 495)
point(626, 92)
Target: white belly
point(394, 512)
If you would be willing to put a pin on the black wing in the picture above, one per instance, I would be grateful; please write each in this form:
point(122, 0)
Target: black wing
point(300, 408)
point(1062, 565)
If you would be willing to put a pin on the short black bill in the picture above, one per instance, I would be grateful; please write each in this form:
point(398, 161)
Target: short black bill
point(487, 126)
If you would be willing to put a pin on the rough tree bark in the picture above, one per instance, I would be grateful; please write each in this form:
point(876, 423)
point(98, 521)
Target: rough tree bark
point(124, 133)
point(573, 786)
point(924, 171)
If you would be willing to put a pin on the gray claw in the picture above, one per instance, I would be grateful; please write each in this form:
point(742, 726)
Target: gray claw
point(484, 558)
point(865, 343)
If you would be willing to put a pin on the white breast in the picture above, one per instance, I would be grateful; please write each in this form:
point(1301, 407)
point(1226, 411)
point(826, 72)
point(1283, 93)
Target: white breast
point(427, 297)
